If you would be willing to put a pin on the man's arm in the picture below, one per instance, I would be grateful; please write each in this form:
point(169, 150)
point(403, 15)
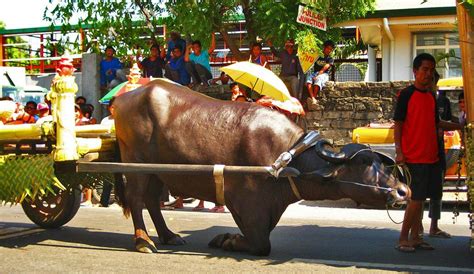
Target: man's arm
point(162, 52)
point(445, 125)
point(399, 116)
point(213, 44)
point(273, 49)
point(118, 64)
point(324, 69)
point(186, 53)
point(399, 157)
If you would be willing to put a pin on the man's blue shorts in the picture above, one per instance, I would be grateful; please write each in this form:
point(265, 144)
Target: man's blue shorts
point(319, 81)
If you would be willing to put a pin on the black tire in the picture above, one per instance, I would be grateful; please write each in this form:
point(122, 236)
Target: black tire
point(53, 211)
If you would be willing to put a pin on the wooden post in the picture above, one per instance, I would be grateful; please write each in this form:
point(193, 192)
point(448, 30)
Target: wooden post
point(179, 169)
point(466, 40)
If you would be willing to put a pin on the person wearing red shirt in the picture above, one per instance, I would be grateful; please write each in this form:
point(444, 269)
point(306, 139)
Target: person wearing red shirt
point(416, 145)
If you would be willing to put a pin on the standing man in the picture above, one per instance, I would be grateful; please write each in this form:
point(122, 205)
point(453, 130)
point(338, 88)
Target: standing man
point(175, 40)
point(290, 67)
point(316, 81)
point(416, 144)
point(109, 66)
point(197, 62)
point(154, 64)
point(435, 206)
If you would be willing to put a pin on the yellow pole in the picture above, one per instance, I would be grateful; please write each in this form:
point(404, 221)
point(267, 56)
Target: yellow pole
point(18, 132)
point(466, 39)
point(62, 96)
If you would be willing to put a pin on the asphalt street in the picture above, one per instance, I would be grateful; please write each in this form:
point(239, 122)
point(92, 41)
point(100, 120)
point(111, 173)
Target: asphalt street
point(311, 236)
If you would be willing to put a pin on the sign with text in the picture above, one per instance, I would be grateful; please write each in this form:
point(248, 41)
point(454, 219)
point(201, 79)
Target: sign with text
point(307, 59)
point(308, 17)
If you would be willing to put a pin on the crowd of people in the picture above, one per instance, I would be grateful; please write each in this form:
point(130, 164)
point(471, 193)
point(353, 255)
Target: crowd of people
point(29, 113)
point(188, 63)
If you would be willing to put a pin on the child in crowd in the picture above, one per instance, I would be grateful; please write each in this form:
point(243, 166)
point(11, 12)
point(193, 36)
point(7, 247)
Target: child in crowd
point(87, 110)
point(223, 79)
point(257, 57)
point(316, 81)
point(238, 94)
point(79, 116)
point(44, 113)
point(31, 109)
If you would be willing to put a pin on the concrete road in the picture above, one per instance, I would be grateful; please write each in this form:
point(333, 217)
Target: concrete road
point(323, 236)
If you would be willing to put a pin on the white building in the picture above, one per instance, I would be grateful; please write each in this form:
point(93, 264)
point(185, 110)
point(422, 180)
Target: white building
point(401, 29)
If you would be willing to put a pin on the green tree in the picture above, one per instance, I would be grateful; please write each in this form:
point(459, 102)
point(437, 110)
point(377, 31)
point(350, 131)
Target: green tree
point(119, 23)
point(124, 23)
point(18, 51)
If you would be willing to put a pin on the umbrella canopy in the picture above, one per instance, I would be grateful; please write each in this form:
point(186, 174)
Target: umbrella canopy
point(451, 82)
point(120, 89)
point(258, 78)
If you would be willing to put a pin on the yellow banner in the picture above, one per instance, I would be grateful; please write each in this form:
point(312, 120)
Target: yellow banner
point(307, 59)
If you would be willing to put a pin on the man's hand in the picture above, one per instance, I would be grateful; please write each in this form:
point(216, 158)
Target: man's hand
point(399, 157)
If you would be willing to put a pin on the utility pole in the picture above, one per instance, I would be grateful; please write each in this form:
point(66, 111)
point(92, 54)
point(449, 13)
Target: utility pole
point(466, 42)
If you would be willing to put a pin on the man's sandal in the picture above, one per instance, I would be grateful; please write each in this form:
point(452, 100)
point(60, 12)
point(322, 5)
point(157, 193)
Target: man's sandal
point(440, 234)
point(405, 248)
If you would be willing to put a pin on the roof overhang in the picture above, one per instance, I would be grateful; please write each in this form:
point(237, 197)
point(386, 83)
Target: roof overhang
point(371, 29)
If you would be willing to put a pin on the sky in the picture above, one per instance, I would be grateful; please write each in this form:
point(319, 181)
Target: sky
point(23, 13)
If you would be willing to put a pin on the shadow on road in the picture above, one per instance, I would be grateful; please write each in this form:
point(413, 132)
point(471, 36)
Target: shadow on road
point(289, 243)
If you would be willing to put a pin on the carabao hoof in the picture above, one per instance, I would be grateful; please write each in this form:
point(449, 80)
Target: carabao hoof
point(219, 240)
point(235, 242)
point(145, 246)
point(176, 240)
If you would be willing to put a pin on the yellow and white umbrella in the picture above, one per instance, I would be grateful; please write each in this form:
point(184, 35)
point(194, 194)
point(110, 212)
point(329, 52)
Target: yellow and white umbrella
point(451, 82)
point(259, 79)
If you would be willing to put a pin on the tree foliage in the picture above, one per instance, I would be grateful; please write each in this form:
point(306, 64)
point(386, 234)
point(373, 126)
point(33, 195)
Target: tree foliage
point(123, 24)
point(119, 23)
point(18, 51)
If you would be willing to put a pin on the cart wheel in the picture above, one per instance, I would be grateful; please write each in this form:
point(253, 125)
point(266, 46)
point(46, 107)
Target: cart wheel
point(53, 211)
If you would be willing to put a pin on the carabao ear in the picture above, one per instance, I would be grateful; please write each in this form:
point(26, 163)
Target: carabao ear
point(328, 173)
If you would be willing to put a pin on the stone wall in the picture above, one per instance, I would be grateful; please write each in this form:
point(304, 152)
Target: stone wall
point(218, 92)
point(344, 106)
